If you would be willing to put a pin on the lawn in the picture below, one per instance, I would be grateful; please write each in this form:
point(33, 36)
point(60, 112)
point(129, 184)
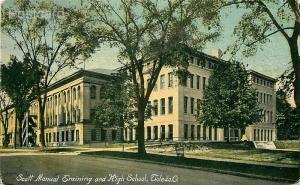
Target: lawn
point(287, 173)
point(236, 151)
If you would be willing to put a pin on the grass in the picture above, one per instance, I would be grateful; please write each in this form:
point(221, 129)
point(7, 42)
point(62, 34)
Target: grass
point(236, 151)
point(290, 173)
point(288, 144)
point(250, 155)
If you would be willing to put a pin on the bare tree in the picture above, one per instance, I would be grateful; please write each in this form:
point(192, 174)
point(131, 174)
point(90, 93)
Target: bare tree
point(152, 32)
point(45, 33)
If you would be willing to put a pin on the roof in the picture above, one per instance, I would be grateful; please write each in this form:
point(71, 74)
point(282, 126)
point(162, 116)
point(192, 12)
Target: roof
point(262, 75)
point(96, 73)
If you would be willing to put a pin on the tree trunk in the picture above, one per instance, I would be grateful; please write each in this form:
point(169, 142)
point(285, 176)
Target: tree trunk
point(296, 66)
point(140, 129)
point(16, 129)
point(6, 138)
point(42, 125)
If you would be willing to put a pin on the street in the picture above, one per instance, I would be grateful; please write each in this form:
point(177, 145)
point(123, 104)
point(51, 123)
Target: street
point(62, 169)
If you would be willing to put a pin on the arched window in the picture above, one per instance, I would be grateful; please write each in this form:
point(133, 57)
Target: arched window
point(93, 92)
point(65, 97)
point(78, 91)
point(74, 93)
point(68, 95)
point(55, 100)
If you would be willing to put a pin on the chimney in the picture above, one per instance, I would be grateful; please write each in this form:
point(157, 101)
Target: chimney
point(216, 53)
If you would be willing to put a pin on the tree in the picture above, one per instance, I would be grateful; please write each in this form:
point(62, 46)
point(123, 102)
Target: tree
point(229, 101)
point(154, 33)
point(18, 82)
point(48, 34)
point(286, 118)
point(115, 105)
point(263, 19)
point(5, 113)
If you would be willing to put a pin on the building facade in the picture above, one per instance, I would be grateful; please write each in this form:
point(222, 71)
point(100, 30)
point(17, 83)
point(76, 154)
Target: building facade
point(175, 106)
point(71, 105)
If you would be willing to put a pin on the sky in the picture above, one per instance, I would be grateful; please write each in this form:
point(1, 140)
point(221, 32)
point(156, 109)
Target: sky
point(272, 60)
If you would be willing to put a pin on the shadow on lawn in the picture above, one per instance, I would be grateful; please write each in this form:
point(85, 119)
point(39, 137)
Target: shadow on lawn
point(290, 173)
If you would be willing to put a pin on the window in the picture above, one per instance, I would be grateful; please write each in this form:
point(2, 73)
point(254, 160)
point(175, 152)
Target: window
point(198, 106)
point(92, 114)
point(68, 95)
point(204, 82)
point(185, 104)
point(74, 93)
point(94, 135)
point(78, 115)
point(72, 135)
point(67, 135)
point(148, 133)
point(155, 107)
point(114, 135)
point(54, 137)
point(170, 135)
point(185, 131)
point(271, 135)
point(192, 81)
point(57, 136)
point(162, 132)
point(192, 105)
point(162, 81)
point(264, 98)
point(192, 132)
point(77, 135)
point(170, 100)
point(78, 92)
point(203, 63)
point(93, 92)
point(62, 136)
point(162, 106)
point(170, 79)
point(126, 134)
point(204, 133)
point(210, 133)
point(198, 82)
point(254, 135)
point(198, 62)
point(198, 132)
point(65, 97)
point(155, 132)
point(260, 98)
point(103, 135)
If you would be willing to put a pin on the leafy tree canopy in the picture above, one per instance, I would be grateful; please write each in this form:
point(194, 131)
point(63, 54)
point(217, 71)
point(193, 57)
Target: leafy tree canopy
point(229, 100)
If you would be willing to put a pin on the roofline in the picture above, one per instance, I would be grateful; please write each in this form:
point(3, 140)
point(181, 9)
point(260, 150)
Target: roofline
point(262, 75)
point(76, 75)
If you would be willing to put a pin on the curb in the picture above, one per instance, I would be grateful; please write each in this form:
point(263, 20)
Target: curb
point(200, 168)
